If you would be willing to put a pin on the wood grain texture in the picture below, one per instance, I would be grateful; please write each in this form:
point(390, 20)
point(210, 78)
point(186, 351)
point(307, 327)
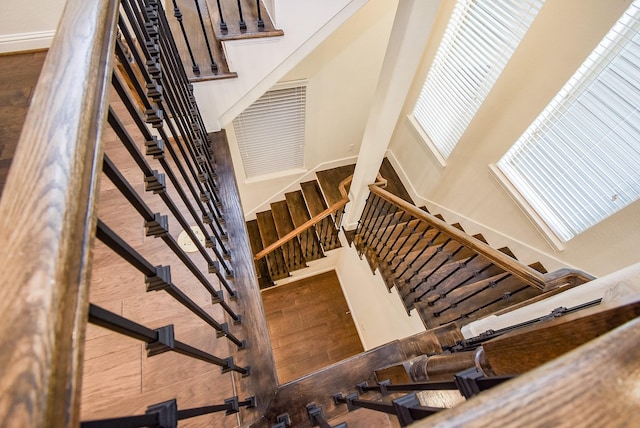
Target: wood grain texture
point(512, 352)
point(259, 355)
point(310, 325)
point(596, 385)
point(19, 77)
point(47, 223)
point(527, 274)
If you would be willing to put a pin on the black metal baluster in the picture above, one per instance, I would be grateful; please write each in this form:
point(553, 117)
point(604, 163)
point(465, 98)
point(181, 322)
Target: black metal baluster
point(388, 245)
point(214, 66)
point(413, 246)
point(200, 139)
point(195, 127)
point(155, 182)
point(408, 408)
point(178, 15)
point(159, 278)
point(260, 21)
point(223, 25)
point(149, 137)
point(157, 415)
point(382, 212)
point(158, 228)
point(243, 25)
point(408, 236)
point(439, 249)
point(367, 226)
point(158, 341)
point(384, 228)
point(316, 416)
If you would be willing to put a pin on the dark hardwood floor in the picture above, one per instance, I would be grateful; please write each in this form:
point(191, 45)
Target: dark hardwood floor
point(310, 325)
point(18, 77)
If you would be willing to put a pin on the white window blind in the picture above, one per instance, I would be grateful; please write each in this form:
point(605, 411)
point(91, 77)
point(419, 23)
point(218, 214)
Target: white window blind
point(479, 40)
point(271, 132)
point(579, 161)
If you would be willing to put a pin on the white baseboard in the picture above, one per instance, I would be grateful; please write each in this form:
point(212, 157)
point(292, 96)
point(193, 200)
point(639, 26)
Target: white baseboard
point(26, 41)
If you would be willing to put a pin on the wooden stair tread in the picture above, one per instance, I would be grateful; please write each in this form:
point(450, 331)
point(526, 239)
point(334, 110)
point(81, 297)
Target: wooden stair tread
point(394, 185)
point(316, 204)
point(330, 180)
point(300, 215)
point(313, 197)
point(268, 233)
point(262, 270)
point(284, 224)
point(197, 42)
point(232, 19)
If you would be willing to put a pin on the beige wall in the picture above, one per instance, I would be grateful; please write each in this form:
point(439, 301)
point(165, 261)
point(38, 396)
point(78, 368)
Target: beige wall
point(342, 75)
point(28, 24)
point(561, 37)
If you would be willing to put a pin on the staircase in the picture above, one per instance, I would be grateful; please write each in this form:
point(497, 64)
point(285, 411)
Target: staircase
point(439, 270)
point(314, 198)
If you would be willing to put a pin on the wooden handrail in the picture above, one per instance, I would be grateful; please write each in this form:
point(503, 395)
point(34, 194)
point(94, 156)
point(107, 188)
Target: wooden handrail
point(342, 187)
point(47, 223)
point(527, 274)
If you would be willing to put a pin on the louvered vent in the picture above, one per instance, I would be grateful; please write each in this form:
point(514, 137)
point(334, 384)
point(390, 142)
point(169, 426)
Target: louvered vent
point(271, 132)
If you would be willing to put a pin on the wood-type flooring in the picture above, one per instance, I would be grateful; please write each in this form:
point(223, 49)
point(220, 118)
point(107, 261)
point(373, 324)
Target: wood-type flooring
point(18, 77)
point(310, 325)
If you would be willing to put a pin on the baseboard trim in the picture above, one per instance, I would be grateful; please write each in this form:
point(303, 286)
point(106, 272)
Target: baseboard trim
point(19, 42)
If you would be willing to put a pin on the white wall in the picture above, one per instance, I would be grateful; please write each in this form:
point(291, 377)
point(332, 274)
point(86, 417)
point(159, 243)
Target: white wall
point(261, 62)
point(28, 24)
point(559, 40)
point(342, 75)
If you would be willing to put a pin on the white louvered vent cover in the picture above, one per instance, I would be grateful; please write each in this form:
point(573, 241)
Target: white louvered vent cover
point(479, 40)
point(579, 161)
point(271, 132)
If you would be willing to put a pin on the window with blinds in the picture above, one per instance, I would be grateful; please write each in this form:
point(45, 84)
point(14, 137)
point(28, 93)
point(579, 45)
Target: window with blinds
point(271, 132)
point(479, 40)
point(579, 161)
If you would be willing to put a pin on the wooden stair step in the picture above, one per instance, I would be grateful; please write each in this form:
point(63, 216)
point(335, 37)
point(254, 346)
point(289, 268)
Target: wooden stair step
point(330, 180)
point(300, 215)
point(394, 185)
point(284, 224)
point(277, 266)
point(455, 274)
point(461, 279)
point(505, 291)
point(315, 202)
point(232, 19)
point(262, 270)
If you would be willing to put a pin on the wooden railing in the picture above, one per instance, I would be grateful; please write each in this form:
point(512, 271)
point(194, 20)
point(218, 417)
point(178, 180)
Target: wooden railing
point(48, 212)
point(444, 273)
point(47, 223)
point(334, 213)
point(527, 274)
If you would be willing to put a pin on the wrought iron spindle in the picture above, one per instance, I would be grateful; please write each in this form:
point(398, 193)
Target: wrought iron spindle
point(389, 242)
point(382, 212)
point(223, 25)
point(316, 416)
point(155, 115)
point(260, 21)
point(384, 228)
point(243, 25)
point(158, 341)
point(401, 245)
point(408, 408)
point(155, 182)
point(178, 15)
point(214, 66)
point(159, 228)
point(158, 414)
point(159, 278)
